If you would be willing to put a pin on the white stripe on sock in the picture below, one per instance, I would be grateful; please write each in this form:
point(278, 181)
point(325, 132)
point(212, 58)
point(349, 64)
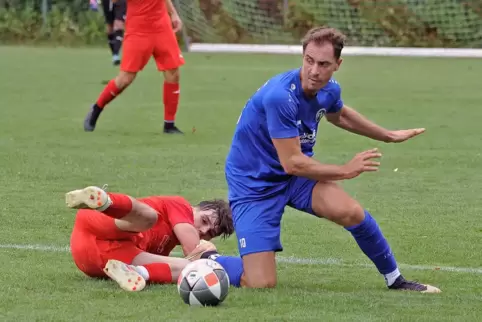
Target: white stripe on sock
point(390, 278)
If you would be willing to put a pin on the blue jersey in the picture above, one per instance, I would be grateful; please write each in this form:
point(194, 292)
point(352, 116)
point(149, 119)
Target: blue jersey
point(279, 109)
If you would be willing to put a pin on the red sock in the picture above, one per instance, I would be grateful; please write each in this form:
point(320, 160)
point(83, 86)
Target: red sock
point(159, 272)
point(108, 94)
point(120, 207)
point(171, 101)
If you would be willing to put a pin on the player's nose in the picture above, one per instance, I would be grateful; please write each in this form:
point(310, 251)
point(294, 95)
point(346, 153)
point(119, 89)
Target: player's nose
point(313, 76)
point(315, 71)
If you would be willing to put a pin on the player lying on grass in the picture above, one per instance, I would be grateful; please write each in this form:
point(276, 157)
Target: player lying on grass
point(270, 166)
point(129, 239)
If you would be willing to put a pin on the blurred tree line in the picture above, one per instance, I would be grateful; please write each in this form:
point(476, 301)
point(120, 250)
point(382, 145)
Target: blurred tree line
point(415, 23)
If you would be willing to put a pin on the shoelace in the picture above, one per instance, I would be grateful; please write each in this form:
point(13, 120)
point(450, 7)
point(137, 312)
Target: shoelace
point(414, 284)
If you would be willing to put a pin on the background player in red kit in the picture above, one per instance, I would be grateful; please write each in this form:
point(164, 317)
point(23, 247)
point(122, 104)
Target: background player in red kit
point(150, 29)
point(129, 240)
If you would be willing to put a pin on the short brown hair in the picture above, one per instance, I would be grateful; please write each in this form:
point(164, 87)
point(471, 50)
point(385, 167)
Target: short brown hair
point(224, 220)
point(320, 35)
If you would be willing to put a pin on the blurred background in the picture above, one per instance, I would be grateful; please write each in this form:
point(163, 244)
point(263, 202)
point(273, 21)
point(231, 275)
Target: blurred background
point(419, 23)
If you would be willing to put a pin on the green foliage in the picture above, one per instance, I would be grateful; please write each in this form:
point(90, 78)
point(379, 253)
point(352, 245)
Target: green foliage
point(226, 27)
point(63, 25)
point(440, 23)
point(412, 23)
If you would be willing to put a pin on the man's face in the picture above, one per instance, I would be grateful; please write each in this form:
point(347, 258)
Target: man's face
point(204, 223)
point(319, 64)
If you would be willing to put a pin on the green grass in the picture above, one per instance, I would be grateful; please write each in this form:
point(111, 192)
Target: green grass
point(429, 209)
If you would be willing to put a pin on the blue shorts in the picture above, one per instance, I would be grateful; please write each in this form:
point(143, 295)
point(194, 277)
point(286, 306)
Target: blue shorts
point(257, 215)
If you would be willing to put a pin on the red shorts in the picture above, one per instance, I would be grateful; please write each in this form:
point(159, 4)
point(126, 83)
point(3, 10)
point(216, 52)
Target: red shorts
point(94, 243)
point(139, 48)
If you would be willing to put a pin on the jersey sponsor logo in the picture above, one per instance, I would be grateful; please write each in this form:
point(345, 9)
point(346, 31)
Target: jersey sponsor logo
point(308, 138)
point(320, 114)
point(165, 240)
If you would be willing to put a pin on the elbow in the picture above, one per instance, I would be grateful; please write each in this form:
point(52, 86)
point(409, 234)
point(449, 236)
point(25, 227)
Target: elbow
point(339, 121)
point(289, 170)
point(292, 166)
point(187, 250)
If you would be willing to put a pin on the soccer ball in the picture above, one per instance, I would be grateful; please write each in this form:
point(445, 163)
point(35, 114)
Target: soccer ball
point(203, 282)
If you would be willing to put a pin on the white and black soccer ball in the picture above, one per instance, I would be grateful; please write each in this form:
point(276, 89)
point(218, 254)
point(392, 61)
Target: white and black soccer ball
point(203, 282)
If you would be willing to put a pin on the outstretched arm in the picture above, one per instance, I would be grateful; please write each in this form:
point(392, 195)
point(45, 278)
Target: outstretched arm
point(281, 115)
point(352, 121)
point(294, 162)
point(349, 119)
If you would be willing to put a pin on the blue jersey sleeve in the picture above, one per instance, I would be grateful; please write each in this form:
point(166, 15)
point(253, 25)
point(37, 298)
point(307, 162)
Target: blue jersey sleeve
point(281, 115)
point(337, 101)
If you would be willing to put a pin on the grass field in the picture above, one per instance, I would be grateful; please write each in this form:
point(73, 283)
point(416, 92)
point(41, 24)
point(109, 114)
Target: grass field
point(430, 209)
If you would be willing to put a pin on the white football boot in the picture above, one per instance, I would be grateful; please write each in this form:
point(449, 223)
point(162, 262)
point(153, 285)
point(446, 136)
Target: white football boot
point(125, 275)
point(91, 197)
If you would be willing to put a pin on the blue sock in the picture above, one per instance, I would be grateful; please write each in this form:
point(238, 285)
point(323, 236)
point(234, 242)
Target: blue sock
point(371, 241)
point(232, 265)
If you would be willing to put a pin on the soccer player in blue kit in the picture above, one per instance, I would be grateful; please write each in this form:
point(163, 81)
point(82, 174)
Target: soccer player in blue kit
point(269, 166)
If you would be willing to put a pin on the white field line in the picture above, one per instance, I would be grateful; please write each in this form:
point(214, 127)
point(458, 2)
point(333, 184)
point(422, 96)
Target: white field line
point(281, 259)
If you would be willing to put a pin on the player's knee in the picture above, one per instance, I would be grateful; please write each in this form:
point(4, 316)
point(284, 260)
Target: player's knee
point(118, 25)
point(259, 282)
point(172, 75)
point(332, 203)
point(351, 215)
point(259, 278)
point(143, 216)
point(148, 218)
point(124, 79)
point(259, 269)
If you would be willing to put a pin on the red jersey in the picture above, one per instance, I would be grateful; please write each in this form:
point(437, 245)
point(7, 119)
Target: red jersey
point(147, 16)
point(160, 239)
point(171, 211)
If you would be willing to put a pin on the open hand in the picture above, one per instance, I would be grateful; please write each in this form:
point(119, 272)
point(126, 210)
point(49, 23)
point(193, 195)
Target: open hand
point(362, 162)
point(204, 246)
point(403, 135)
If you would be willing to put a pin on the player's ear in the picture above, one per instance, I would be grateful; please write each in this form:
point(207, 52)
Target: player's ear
point(207, 218)
point(204, 218)
point(338, 63)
